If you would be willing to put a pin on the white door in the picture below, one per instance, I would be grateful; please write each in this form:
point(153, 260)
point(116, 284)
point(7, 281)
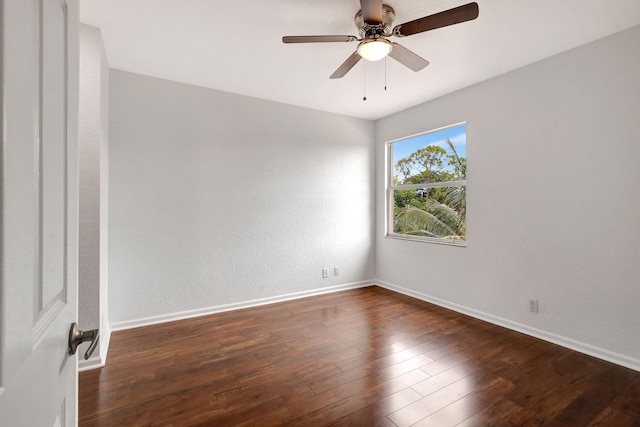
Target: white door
point(38, 211)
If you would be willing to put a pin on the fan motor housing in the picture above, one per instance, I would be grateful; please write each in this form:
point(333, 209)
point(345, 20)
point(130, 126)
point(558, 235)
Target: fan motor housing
point(371, 30)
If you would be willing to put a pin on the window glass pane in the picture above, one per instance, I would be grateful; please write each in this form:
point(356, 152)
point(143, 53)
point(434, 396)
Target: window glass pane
point(437, 156)
point(434, 212)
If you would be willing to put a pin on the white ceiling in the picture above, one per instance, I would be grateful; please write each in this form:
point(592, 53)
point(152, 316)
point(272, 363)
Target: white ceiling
point(235, 45)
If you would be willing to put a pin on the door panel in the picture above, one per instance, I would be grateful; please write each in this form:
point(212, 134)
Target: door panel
point(38, 243)
point(52, 153)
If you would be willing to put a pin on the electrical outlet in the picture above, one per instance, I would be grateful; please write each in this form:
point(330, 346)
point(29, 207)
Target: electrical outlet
point(533, 305)
point(325, 273)
point(336, 271)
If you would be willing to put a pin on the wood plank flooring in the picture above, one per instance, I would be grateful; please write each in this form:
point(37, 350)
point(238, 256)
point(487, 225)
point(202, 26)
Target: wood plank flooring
point(364, 357)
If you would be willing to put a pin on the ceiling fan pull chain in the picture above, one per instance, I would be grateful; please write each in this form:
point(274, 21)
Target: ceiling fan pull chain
point(385, 73)
point(364, 78)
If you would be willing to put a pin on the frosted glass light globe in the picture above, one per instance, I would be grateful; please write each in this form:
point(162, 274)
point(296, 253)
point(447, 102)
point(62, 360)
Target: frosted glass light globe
point(374, 50)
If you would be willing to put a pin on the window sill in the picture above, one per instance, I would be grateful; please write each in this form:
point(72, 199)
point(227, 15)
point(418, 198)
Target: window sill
point(459, 243)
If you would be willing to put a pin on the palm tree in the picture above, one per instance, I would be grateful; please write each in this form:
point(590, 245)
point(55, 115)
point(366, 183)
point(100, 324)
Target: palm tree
point(456, 197)
point(438, 220)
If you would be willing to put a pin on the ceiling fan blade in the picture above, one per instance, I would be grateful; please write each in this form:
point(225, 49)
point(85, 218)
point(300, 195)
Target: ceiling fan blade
point(317, 39)
point(453, 16)
point(371, 11)
point(408, 58)
point(346, 66)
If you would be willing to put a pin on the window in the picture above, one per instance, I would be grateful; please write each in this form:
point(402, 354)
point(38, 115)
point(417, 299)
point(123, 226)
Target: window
point(426, 190)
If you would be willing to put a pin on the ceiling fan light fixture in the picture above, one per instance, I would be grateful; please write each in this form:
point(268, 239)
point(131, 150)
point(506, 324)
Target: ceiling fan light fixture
point(374, 49)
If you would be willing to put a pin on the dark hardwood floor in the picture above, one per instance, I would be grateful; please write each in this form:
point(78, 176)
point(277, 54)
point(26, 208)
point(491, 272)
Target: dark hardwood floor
point(365, 357)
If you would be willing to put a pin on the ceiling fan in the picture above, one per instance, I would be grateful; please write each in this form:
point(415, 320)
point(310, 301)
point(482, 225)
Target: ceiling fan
point(374, 21)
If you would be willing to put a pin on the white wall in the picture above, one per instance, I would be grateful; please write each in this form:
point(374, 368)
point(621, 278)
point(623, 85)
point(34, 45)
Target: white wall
point(218, 199)
point(93, 188)
point(553, 200)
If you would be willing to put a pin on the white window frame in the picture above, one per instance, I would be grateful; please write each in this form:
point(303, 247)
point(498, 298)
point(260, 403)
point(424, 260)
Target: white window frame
point(389, 199)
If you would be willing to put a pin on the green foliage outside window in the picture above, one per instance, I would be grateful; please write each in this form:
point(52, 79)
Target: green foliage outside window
point(434, 210)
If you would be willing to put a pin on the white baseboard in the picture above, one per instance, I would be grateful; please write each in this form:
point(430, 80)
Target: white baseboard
point(600, 353)
point(99, 360)
point(163, 318)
